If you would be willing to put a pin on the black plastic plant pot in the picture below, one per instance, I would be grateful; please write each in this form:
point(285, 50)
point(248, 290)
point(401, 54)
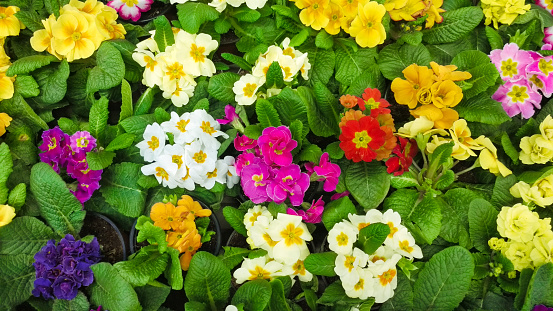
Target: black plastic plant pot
point(158, 8)
point(213, 246)
point(110, 238)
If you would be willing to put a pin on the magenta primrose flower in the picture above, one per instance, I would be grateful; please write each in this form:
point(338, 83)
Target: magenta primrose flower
point(254, 179)
point(313, 214)
point(548, 32)
point(540, 73)
point(244, 160)
point(340, 195)
point(230, 115)
point(542, 308)
point(243, 143)
point(511, 62)
point(518, 97)
point(130, 9)
point(82, 142)
point(276, 145)
point(288, 182)
point(329, 172)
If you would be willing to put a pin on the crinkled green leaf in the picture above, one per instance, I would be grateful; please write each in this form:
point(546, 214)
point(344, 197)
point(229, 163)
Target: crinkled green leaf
point(501, 195)
point(311, 153)
point(17, 196)
point(220, 87)
point(278, 299)
point(193, 14)
point(17, 275)
point(53, 82)
point(336, 211)
point(208, 280)
point(455, 226)
point(457, 23)
point(255, 295)
point(137, 124)
point(99, 160)
point(26, 86)
point(322, 64)
point(122, 141)
point(29, 64)
point(350, 64)
point(126, 101)
point(121, 190)
point(6, 163)
point(290, 107)
point(394, 58)
point(24, 235)
point(152, 295)
point(334, 294)
point(321, 263)
point(17, 108)
point(79, 303)
point(109, 70)
point(110, 290)
point(267, 114)
point(144, 267)
point(233, 256)
point(482, 218)
point(368, 183)
point(403, 296)
point(144, 102)
point(164, 34)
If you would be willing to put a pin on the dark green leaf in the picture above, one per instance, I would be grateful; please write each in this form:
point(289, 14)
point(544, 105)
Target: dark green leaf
point(321, 263)
point(110, 290)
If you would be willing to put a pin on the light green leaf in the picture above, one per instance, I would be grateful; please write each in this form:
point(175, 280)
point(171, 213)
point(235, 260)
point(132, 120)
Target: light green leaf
point(29, 64)
point(539, 290)
point(266, 113)
point(299, 38)
point(59, 207)
point(275, 77)
point(405, 180)
point(17, 196)
point(233, 256)
point(79, 303)
point(509, 149)
point(98, 119)
point(208, 280)
point(350, 64)
point(109, 71)
point(17, 108)
point(368, 183)
point(30, 19)
point(336, 211)
point(26, 86)
point(290, 107)
point(120, 188)
point(192, 15)
point(235, 218)
point(255, 295)
point(393, 59)
point(482, 218)
point(144, 267)
point(494, 38)
point(371, 237)
point(334, 151)
point(164, 36)
point(220, 86)
point(137, 124)
point(144, 102)
point(457, 23)
point(482, 109)
point(126, 100)
point(311, 153)
point(237, 60)
point(152, 295)
point(444, 53)
point(53, 82)
point(321, 263)
point(122, 141)
point(323, 40)
point(253, 131)
point(24, 235)
point(99, 160)
point(111, 291)
point(444, 281)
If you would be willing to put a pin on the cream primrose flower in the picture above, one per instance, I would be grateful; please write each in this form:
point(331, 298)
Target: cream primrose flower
point(533, 193)
point(302, 62)
point(193, 50)
point(519, 254)
point(517, 223)
point(535, 149)
point(383, 253)
point(393, 220)
point(346, 265)
point(488, 158)
point(252, 4)
point(181, 1)
point(385, 278)
point(258, 236)
point(290, 233)
point(545, 229)
point(542, 252)
point(261, 268)
point(179, 126)
point(363, 288)
point(154, 142)
point(298, 269)
point(177, 84)
point(546, 128)
point(219, 174)
point(206, 129)
point(419, 125)
point(404, 244)
point(219, 5)
point(362, 221)
point(341, 237)
point(153, 74)
point(245, 89)
point(232, 177)
point(264, 61)
point(199, 160)
point(251, 216)
point(164, 171)
point(148, 45)
point(289, 67)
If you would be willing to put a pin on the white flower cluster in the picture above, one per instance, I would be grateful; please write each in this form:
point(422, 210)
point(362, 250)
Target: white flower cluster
point(221, 5)
point(192, 159)
point(371, 275)
point(291, 62)
point(284, 240)
point(175, 69)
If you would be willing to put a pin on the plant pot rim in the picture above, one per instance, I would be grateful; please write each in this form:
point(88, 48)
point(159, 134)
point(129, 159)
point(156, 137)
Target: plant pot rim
point(114, 226)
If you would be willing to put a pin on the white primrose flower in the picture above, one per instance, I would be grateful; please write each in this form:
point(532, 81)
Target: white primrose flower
point(178, 91)
point(385, 278)
point(257, 268)
point(152, 72)
point(393, 220)
point(245, 89)
point(199, 160)
point(298, 268)
point(302, 62)
point(258, 236)
point(231, 308)
point(219, 174)
point(346, 265)
point(164, 171)
point(206, 129)
point(363, 288)
point(181, 1)
point(253, 213)
point(232, 177)
point(404, 244)
point(341, 237)
point(179, 127)
point(194, 49)
point(289, 67)
point(383, 253)
point(304, 65)
point(185, 180)
point(219, 5)
point(362, 221)
point(154, 142)
point(149, 45)
point(290, 233)
point(255, 4)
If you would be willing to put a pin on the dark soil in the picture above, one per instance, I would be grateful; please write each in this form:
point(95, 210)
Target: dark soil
point(111, 247)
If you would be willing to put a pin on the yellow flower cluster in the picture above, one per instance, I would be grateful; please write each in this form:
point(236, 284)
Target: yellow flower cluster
point(6, 83)
point(538, 148)
point(529, 239)
point(409, 10)
point(9, 26)
point(78, 31)
point(503, 11)
point(182, 233)
point(539, 193)
point(362, 19)
point(434, 89)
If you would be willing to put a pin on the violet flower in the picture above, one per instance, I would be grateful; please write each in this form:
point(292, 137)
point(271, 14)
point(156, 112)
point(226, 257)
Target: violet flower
point(313, 214)
point(329, 172)
point(276, 145)
point(54, 144)
point(541, 308)
point(254, 179)
point(288, 182)
point(243, 143)
point(82, 141)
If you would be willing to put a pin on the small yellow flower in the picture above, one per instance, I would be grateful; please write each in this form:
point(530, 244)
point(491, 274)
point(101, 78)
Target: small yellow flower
point(76, 35)
point(90, 6)
point(433, 10)
point(367, 27)
point(442, 118)
point(535, 149)
point(334, 14)
point(9, 24)
point(448, 72)
point(519, 254)
point(543, 251)
point(5, 120)
point(546, 128)
point(446, 94)
point(503, 11)
point(496, 244)
point(7, 213)
point(407, 11)
point(313, 13)
point(418, 78)
point(108, 26)
point(6, 84)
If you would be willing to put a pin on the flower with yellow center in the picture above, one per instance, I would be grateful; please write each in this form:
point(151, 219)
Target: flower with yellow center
point(334, 13)
point(418, 78)
point(404, 244)
point(385, 280)
point(535, 149)
point(93, 7)
point(407, 11)
point(245, 89)
point(446, 94)
point(164, 170)
point(5, 120)
point(261, 268)
point(433, 10)
point(76, 35)
point(442, 118)
point(313, 13)
point(341, 237)
point(154, 142)
point(9, 24)
point(346, 265)
point(43, 39)
point(464, 144)
point(253, 213)
point(7, 213)
point(290, 233)
point(194, 49)
point(448, 72)
point(363, 287)
point(108, 26)
point(367, 27)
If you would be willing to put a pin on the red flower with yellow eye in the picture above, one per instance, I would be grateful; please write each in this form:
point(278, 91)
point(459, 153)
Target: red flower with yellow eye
point(361, 138)
point(373, 101)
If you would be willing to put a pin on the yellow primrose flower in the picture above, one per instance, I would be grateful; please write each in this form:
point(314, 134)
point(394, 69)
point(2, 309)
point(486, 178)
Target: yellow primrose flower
point(464, 144)
point(313, 13)
point(503, 11)
point(76, 35)
point(394, 4)
point(535, 149)
point(433, 10)
point(546, 128)
point(496, 244)
point(108, 26)
point(350, 7)
point(406, 12)
point(418, 80)
point(443, 118)
point(4, 58)
point(90, 6)
point(518, 223)
point(334, 14)
point(543, 251)
point(421, 125)
point(488, 158)
point(345, 23)
point(9, 24)
point(6, 84)
point(446, 94)
point(43, 40)
point(519, 254)
point(448, 72)
point(367, 27)
point(5, 120)
point(435, 142)
point(7, 213)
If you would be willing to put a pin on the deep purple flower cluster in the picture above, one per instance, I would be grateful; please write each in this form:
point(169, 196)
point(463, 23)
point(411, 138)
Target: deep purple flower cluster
point(62, 269)
point(542, 308)
point(62, 151)
point(266, 170)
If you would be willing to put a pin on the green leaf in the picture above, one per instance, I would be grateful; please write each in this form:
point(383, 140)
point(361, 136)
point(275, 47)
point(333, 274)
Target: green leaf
point(144, 102)
point(144, 267)
point(324, 40)
point(126, 100)
point(403, 296)
point(162, 115)
point(223, 26)
point(441, 155)
point(245, 14)
point(120, 188)
point(195, 306)
point(290, 107)
point(350, 64)
point(233, 256)
point(137, 124)
point(29, 64)
point(457, 23)
point(237, 60)
point(321, 113)
point(24, 235)
point(444, 281)
point(275, 77)
point(152, 295)
point(99, 119)
point(255, 295)
point(6, 162)
point(444, 53)
point(336, 211)
point(278, 300)
point(30, 19)
point(220, 86)
point(334, 294)
point(509, 149)
point(79, 303)
point(59, 207)
point(321, 263)
point(311, 153)
point(372, 237)
point(208, 280)
point(501, 195)
point(17, 108)
point(334, 150)
point(494, 38)
point(482, 218)
point(368, 183)
point(405, 180)
point(455, 227)
point(539, 289)
point(53, 82)
point(257, 253)
point(322, 64)
point(26, 86)
point(192, 15)
point(164, 36)
point(17, 275)
point(110, 290)
point(445, 180)
point(109, 71)
point(99, 160)
point(413, 38)
point(17, 196)
point(481, 265)
point(266, 113)
point(394, 58)
point(253, 131)
point(173, 273)
point(122, 141)
point(235, 218)
point(371, 77)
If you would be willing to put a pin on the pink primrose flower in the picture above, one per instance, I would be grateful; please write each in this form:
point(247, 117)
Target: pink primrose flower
point(276, 145)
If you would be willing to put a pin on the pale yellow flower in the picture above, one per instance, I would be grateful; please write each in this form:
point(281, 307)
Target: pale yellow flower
point(535, 150)
point(518, 223)
point(546, 128)
point(7, 213)
point(6, 84)
point(488, 158)
point(519, 254)
point(543, 251)
point(108, 26)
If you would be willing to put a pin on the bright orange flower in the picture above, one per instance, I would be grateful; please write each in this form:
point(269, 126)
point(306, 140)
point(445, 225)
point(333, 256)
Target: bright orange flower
point(351, 115)
point(419, 80)
point(193, 207)
point(185, 260)
point(348, 101)
point(390, 142)
point(167, 216)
